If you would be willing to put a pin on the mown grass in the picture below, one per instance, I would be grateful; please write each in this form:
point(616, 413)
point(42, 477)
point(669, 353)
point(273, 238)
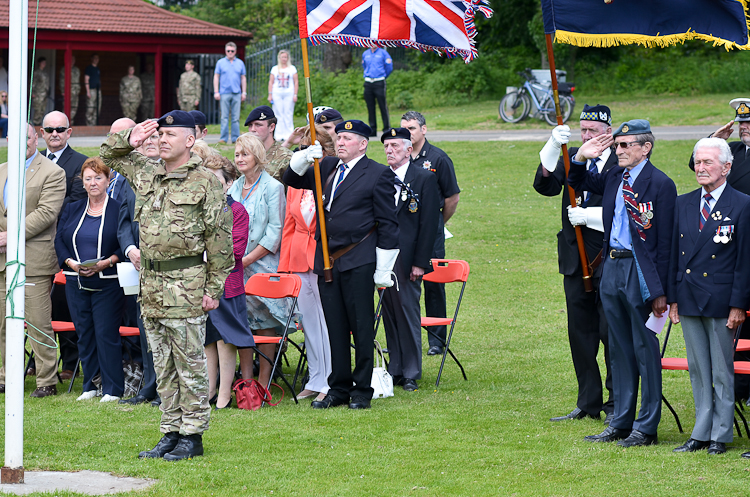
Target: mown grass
point(487, 436)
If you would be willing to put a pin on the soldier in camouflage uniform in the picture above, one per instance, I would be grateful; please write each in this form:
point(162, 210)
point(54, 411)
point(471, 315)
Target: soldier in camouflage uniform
point(130, 94)
point(39, 91)
point(75, 87)
point(261, 123)
point(189, 91)
point(182, 214)
point(148, 88)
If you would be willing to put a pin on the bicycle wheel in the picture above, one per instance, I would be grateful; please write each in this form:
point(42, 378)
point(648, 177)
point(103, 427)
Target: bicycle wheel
point(514, 107)
point(565, 110)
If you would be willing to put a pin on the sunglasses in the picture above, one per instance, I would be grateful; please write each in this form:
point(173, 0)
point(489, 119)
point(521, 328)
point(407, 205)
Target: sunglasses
point(59, 130)
point(230, 51)
point(626, 144)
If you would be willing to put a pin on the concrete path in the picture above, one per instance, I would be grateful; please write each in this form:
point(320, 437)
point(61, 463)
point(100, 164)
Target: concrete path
point(84, 482)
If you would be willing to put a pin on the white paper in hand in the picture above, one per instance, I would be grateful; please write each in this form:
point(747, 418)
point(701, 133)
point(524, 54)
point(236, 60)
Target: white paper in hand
point(657, 324)
point(128, 278)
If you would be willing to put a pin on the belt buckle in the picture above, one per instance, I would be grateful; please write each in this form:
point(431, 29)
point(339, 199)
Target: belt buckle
point(612, 254)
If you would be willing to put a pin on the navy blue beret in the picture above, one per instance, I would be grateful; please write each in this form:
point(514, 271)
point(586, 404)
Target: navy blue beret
point(262, 113)
point(354, 126)
point(393, 133)
point(200, 117)
point(176, 119)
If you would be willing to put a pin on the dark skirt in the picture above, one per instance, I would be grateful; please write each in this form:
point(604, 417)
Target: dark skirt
point(229, 323)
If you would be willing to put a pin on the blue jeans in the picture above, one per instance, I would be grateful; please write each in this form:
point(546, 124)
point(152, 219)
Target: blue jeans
point(230, 102)
point(3, 127)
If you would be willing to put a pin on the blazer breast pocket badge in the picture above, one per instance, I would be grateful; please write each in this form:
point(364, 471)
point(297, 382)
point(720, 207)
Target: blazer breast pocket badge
point(724, 234)
point(647, 214)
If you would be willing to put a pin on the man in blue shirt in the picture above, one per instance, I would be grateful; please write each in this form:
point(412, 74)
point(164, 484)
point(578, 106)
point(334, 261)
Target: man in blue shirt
point(377, 65)
point(230, 88)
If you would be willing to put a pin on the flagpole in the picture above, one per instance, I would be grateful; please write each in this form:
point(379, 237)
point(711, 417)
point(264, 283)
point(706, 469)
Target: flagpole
point(587, 283)
point(327, 272)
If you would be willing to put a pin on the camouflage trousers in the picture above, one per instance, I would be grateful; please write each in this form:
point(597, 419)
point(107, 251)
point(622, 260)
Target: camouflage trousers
point(74, 94)
point(187, 104)
point(130, 108)
point(93, 107)
point(181, 373)
point(147, 109)
point(40, 109)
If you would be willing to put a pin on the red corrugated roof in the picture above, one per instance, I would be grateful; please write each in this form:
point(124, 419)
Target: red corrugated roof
point(117, 16)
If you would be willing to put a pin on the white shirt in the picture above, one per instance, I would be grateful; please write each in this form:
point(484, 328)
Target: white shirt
point(57, 154)
point(401, 174)
point(351, 165)
point(715, 195)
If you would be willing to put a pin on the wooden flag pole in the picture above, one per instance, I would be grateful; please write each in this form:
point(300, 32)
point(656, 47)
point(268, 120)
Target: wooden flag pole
point(327, 265)
point(587, 283)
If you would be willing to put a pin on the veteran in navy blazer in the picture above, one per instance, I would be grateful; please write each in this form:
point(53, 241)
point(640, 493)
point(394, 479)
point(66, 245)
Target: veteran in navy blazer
point(359, 213)
point(708, 289)
point(638, 204)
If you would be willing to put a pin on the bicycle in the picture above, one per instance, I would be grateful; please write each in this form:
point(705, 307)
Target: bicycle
point(516, 105)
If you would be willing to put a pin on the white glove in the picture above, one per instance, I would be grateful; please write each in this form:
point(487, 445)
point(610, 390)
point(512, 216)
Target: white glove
point(551, 150)
point(301, 160)
point(384, 267)
point(591, 217)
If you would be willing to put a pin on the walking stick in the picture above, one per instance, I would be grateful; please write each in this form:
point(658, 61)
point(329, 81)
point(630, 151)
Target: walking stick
point(587, 283)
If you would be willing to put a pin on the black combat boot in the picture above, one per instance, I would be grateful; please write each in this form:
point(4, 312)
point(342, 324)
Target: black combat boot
point(165, 445)
point(189, 446)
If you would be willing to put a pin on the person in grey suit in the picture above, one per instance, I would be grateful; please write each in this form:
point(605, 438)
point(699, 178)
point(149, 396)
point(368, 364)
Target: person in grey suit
point(708, 292)
point(417, 210)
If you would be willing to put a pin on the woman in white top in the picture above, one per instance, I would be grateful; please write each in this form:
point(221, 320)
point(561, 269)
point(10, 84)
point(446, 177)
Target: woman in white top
point(282, 93)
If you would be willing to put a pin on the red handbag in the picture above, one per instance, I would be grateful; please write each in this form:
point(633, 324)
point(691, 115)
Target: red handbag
point(251, 394)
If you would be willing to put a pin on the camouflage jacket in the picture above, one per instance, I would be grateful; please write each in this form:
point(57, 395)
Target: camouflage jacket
point(190, 86)
point(40, 84)
point(182, 213)
point(75, 80)
point(130, 89)
point(148, 86)
point(278, 158)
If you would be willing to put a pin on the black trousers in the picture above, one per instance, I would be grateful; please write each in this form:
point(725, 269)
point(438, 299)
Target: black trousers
point(349, 307)
point(587, 327)
point(376, 91)
point(434, 293)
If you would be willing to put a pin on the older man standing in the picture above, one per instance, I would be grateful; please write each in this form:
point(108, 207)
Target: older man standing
point(708, 291)
point(417, 208)
point(587, 324)
point(45, 191)
point(230, 89)
point(261, 122)
point(638, 212)
point(183, 218)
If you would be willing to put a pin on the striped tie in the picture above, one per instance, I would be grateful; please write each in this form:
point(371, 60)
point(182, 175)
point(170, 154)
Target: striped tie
point(631, 205)
point(705, 210)
point(342, 168)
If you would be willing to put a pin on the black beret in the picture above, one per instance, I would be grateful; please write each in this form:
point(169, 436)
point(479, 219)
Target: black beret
point(393, 133)
point(354, 126)
point(262, 113)
point(176, 119)
point(200, 117)
point(327, 116)
point(596, 112)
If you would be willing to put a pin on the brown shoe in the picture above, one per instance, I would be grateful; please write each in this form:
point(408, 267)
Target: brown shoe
point(66, 374)
point(31, 372)
point(44, 392)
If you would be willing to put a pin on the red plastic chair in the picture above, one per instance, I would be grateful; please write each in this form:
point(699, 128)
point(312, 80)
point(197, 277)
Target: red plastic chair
point(276, 286)
point(447, 271)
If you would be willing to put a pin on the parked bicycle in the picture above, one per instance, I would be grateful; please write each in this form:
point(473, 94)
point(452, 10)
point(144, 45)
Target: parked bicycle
point(516, 105)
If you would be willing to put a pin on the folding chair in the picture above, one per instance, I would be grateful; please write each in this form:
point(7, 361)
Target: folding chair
point(276, 286)
point(447, 271)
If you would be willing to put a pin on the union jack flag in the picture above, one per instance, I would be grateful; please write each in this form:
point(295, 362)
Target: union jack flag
point(443, 26)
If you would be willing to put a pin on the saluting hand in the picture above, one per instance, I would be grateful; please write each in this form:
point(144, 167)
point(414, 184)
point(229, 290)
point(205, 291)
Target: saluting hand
point(141, 132)
point(594, 147)
point(724, 132)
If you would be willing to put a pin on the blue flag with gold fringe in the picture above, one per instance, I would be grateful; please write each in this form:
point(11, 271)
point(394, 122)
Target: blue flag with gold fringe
point(600, 23)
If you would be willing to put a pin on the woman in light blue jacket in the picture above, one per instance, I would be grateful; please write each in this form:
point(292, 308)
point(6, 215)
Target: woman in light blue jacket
point(264, 200)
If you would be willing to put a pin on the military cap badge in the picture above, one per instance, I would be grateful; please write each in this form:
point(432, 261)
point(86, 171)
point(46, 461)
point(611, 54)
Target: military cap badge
point(348, 125)
point(625, 129)
point(323, 119)
point(393, 132)
point(262, 115)
point(169, 120)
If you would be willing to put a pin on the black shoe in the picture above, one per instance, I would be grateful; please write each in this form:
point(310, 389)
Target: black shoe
point(138, 399)
point(189, 446)
point(398, 380)
point(2, 387)
point(717, 448)
point(373, 133)
point(228, 406)
point(156, 402)
point(608, 418)
point(574, 414)
point(410, 385)
point(165, 445)
point(328, 401)
point(212, 400)
point(608, 435)
point(360, 402)
point(435, 350)
point(691, 446)
point(746, 455)
point(638, 439)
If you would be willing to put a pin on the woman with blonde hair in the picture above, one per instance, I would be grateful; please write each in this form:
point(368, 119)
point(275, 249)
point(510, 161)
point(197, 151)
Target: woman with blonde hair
point(263, 199)
point(283, 85)
point(203, 150)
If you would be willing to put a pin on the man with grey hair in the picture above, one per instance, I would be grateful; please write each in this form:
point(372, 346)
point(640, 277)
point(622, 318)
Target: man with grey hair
point(417, 209)
point(708, 291)
point(431, 158)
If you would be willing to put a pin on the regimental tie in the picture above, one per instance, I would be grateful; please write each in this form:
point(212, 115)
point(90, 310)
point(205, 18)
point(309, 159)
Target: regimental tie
point(342, 169)
point(631, 205)
point(705, 210)
point(592, 169)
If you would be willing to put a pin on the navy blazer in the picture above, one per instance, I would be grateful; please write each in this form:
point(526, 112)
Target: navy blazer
point(127, 229)
point(71, 161)
point(708, 278)
point(739, 177)
point(418, 229)
point(652, 185)
point(364, 199)
point(108, 244)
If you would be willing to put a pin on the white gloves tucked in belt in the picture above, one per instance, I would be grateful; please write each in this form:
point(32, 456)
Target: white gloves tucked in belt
point(551, 150)
point(586, 216)
point(386, 258)
point(301, 160)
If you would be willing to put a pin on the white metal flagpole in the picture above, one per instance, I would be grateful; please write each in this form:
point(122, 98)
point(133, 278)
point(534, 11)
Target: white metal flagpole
point(12, 471)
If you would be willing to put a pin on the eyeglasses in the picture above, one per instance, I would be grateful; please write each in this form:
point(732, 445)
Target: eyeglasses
point(626, 144)
point(59, 130)
point(229, 50)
